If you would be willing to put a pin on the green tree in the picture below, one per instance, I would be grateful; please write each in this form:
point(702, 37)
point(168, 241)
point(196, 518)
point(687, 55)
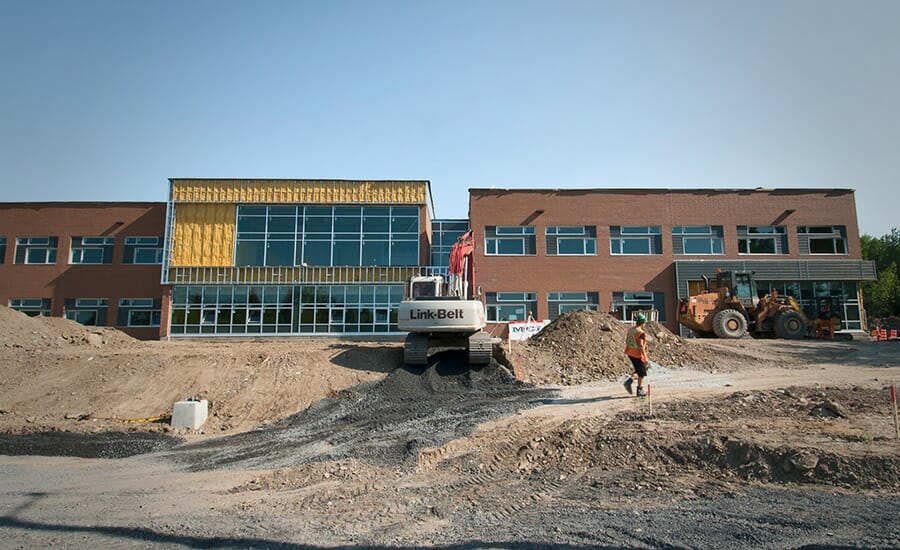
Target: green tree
point(882, 297)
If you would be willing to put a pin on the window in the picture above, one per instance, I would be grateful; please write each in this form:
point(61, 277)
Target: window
point(571, 240)
point(829, 239)
point(327, 235)
point(563, 302)
point(2, 249)
point(510, 306)
point(640, 240)
point(509, 240)
point(92, 250)
point(143, 250)
point(31, 306)
point(762, 239)
point(625, 305)
point(697, 239)
point(139, 312)
point(443, 236)
point(87, 311)
point(36, 250)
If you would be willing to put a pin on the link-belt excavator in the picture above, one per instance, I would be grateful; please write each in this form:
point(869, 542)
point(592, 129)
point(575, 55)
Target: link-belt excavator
point(446, 314)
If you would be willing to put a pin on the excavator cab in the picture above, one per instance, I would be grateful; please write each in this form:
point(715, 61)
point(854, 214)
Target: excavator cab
point(424, 287)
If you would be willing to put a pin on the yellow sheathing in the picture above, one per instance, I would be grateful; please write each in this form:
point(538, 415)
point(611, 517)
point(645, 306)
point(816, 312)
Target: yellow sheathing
point(299, 191)
point(204, 235)
point(290, 275)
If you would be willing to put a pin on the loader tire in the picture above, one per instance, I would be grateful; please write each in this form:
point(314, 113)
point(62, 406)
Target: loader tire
point(790, 325)
point(729, 323)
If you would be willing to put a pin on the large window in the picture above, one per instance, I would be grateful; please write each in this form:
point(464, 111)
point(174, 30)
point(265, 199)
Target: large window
point(2, 249)
point(697, 239)
point(31, 306)
point(139, 312)
point(637, 240)
point(563, 302)
point(625, 305)
point(443, 235)
point(828, 239)
point(578, 240)
point(510, 306)
point(92, 250)
point(87, 311)
point(36, 250)
point(509, 240)
point(327, 235)
point(762, 239)
point(143, 250)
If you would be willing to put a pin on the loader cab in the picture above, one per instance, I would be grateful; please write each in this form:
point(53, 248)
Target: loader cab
point(740, 285)
point(424, 287)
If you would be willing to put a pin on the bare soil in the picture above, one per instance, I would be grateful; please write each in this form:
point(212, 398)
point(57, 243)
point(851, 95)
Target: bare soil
point(322, 443)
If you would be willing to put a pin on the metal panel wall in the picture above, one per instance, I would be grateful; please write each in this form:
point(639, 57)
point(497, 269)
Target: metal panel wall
point(777, 270)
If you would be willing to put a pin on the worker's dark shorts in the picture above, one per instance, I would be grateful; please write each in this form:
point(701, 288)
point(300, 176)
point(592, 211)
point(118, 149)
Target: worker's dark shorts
point(640, 367)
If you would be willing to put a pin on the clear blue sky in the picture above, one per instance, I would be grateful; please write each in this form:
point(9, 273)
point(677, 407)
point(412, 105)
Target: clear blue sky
point(106, 99)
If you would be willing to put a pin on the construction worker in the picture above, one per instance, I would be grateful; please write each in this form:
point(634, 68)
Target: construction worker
point(636, 350)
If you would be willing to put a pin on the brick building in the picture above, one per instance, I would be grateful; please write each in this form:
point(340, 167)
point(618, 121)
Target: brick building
point(94, 262)
point(285, 257)
point(547, 251)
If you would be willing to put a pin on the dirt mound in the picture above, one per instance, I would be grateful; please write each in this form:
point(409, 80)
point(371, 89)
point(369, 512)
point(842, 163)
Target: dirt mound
point(734, 437)
point(385, 423)
point(18, 330)
point(582, 346)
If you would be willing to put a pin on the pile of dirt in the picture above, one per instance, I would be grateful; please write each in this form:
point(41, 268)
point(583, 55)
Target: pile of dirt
point(18, 330)
point(385, 423)
point(583, 346)
point(738, 436)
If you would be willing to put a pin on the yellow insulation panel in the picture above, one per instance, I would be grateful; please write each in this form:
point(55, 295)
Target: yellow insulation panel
point(204, 235)
point(299, 191)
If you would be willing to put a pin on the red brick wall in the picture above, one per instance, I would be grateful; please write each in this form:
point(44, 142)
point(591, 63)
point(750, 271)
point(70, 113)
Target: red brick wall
point(62, 280)
point(605, 273)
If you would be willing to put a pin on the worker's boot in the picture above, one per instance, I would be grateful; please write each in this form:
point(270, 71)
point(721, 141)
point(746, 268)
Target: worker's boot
point(640, 392)
point(627, 385)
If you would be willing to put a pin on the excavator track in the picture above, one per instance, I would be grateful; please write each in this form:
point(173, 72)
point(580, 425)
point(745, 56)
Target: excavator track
point(481, 348)
point(415, 349)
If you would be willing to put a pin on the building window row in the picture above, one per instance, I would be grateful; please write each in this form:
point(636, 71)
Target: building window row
point(504, 307)
point(133, 312)
point(647, 240)
point(42, 250)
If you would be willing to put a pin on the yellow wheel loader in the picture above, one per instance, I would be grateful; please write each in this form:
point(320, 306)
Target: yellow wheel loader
point(733, 308)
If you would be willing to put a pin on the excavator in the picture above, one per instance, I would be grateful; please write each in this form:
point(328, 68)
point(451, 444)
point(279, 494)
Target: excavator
point(446, 314)
point(733, 308)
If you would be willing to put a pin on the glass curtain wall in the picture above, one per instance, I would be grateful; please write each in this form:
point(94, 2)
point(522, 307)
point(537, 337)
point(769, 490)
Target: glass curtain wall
point(443, 236)
point(327, 235)
point(812, 295)
point(285, 310)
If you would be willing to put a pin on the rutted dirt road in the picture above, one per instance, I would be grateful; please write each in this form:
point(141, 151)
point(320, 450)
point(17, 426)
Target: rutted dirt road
point(791, 446)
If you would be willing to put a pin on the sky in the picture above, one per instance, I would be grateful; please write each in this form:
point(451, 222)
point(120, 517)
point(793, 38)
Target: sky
point(104, 100)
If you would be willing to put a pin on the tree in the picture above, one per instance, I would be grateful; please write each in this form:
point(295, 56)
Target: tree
point(882, 297)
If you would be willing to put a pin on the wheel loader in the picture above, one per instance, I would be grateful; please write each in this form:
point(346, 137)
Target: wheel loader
point(733, 308)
